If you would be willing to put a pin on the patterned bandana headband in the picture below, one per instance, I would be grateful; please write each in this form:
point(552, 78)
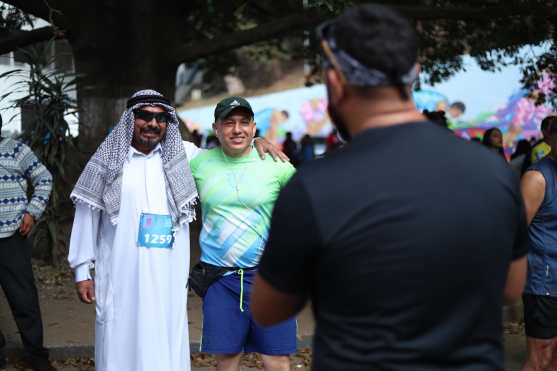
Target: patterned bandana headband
point(100, 183)
point(352, 71)
point(147, 99)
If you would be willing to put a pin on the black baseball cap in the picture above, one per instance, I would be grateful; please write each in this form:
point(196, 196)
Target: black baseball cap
point(227, 105)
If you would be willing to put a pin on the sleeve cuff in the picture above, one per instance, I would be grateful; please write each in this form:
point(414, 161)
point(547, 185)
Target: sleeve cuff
point(83, 272)
point(34, 211)
point(518, 255)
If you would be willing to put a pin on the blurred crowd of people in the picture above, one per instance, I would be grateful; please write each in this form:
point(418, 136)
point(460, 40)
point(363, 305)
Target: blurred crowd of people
point(525, 153)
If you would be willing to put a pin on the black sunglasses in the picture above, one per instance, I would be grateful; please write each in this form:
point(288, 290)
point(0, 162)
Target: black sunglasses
point(148, 116)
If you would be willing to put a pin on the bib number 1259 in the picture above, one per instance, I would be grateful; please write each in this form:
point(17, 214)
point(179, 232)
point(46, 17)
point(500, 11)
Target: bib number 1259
point(155, 231)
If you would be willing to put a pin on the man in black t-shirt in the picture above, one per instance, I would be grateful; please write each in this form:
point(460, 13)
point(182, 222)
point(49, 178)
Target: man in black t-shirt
point(408, 238)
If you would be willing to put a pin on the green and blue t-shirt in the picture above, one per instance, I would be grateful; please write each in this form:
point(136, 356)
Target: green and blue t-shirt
point(237, 199)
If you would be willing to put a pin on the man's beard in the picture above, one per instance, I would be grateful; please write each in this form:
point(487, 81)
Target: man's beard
point(149, 143)
point(338, 122)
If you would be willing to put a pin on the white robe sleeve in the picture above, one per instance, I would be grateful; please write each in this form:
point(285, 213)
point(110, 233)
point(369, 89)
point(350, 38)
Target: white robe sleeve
point(192, 150)
point(83, 241)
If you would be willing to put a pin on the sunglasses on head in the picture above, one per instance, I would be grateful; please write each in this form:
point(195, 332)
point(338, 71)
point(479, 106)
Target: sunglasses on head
point(148, 116)
point(329, 59)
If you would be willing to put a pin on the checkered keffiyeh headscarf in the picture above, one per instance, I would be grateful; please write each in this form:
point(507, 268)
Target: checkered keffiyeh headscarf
point(100, 183)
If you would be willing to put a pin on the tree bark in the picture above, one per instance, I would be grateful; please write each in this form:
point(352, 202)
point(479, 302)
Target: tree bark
point(280, 27)
point(111, 72)
point(102, 101)
point(21, 39)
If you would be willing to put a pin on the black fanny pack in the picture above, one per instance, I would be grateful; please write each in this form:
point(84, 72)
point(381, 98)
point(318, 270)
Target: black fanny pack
point(204, 275)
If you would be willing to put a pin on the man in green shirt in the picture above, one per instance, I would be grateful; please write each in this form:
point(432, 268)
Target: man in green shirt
point(238, 191)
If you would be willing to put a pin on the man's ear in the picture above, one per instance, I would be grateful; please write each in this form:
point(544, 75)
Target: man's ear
point(337, 90)
point(216, 130)
point(254, 129)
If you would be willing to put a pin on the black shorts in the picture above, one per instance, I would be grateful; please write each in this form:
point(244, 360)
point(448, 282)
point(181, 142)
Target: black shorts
point(540, 316)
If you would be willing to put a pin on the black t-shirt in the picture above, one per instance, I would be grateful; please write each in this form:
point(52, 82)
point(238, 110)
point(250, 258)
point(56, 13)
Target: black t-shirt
point(402, 240)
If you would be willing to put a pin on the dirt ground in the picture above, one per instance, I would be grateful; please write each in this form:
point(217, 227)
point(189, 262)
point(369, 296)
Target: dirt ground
point(69, 329)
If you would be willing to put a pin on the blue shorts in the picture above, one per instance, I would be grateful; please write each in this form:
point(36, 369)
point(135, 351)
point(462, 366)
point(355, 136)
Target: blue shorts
point(228, 330)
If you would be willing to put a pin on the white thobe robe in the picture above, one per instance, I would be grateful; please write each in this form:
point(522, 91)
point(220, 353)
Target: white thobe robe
point(141, 296)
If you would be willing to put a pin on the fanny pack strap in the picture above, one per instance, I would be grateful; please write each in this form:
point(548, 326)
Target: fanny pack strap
point(229, 269)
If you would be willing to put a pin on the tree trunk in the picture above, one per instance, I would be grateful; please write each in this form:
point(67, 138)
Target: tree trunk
point(110, 72)
point(101, 105)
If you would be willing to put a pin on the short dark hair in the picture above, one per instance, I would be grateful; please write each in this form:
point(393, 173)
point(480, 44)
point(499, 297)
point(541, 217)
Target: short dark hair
point(379, 38)
point(548, 123)
point(486, 139)
point(459, 106)
point(437, 117)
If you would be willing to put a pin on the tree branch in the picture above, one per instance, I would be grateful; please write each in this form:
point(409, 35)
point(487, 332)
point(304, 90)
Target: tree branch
point(469, 13)
point(44, 9)
point(311, 17)
point(204, 48)
point(34, 7)
point(21, 39)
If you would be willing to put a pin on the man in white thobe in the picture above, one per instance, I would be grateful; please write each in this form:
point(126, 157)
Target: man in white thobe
point(134, 201)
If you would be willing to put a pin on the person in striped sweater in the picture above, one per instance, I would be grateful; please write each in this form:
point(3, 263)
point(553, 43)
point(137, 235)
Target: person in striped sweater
point(18, 167)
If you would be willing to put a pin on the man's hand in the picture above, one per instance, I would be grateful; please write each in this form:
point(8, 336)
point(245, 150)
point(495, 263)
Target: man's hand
point(263, 146)
point(27, 224)
point(86, 291)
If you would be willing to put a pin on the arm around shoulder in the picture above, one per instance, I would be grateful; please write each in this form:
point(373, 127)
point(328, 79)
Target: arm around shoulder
point(192, 150)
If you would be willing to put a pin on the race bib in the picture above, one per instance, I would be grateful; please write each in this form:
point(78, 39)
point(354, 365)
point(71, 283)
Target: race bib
point(155, 231)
